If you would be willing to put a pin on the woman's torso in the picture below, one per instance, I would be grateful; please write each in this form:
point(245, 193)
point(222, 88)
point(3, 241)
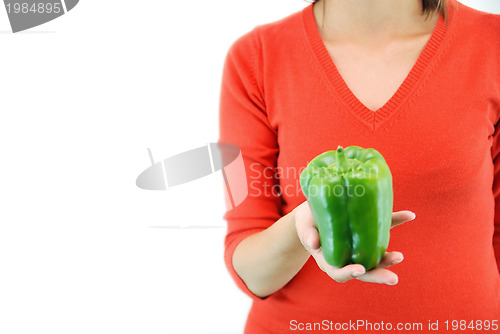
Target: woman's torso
point(436, 134)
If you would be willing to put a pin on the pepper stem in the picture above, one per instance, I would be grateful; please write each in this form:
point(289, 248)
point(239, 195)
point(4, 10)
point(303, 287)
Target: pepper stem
point(341, 159)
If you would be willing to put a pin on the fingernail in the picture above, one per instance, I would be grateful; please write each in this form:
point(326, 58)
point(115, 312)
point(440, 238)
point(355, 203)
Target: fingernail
point(394, 282)
point(397, 261)
point(413, 216)
point(356, 273)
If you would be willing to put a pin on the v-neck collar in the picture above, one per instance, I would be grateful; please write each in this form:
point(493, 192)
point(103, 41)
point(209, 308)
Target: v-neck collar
point(375, 118)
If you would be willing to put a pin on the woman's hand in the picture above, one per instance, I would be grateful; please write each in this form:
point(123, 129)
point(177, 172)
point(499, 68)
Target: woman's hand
point(309, 237)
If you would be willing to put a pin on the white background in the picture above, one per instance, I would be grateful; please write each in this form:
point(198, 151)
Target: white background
point(82, 249)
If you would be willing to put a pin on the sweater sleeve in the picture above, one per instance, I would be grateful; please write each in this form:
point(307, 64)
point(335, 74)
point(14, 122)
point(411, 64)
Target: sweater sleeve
point(495, 150)
point(244, 122)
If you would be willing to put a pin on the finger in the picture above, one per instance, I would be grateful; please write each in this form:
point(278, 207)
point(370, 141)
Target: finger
point(401, 217)
point(341, 275)
point(312, 239)
point(304, 223)
point(381, 276)
point(390, 259)
point(346, 273)
point(309, 237)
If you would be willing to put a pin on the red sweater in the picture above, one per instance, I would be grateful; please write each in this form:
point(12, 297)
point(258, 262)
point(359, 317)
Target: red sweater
point(283, 102)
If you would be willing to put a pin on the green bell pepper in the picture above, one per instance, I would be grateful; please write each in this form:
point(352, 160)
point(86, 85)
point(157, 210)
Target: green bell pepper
point(350, 195)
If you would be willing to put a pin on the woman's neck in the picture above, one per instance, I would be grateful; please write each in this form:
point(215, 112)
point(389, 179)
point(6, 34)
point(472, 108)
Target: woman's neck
point(372, 21)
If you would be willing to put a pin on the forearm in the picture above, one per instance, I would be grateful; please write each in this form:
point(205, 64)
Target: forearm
point(268, 260)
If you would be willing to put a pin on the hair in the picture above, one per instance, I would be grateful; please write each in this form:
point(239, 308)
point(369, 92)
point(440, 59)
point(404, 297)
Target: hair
point(428, 6)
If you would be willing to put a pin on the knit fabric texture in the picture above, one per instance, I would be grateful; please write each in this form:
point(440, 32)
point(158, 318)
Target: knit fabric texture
point(283, 102)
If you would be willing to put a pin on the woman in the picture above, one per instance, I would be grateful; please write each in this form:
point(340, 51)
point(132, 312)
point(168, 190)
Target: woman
point(419, 81)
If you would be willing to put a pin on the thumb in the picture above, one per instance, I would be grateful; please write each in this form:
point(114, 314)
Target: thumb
point(304, 224)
